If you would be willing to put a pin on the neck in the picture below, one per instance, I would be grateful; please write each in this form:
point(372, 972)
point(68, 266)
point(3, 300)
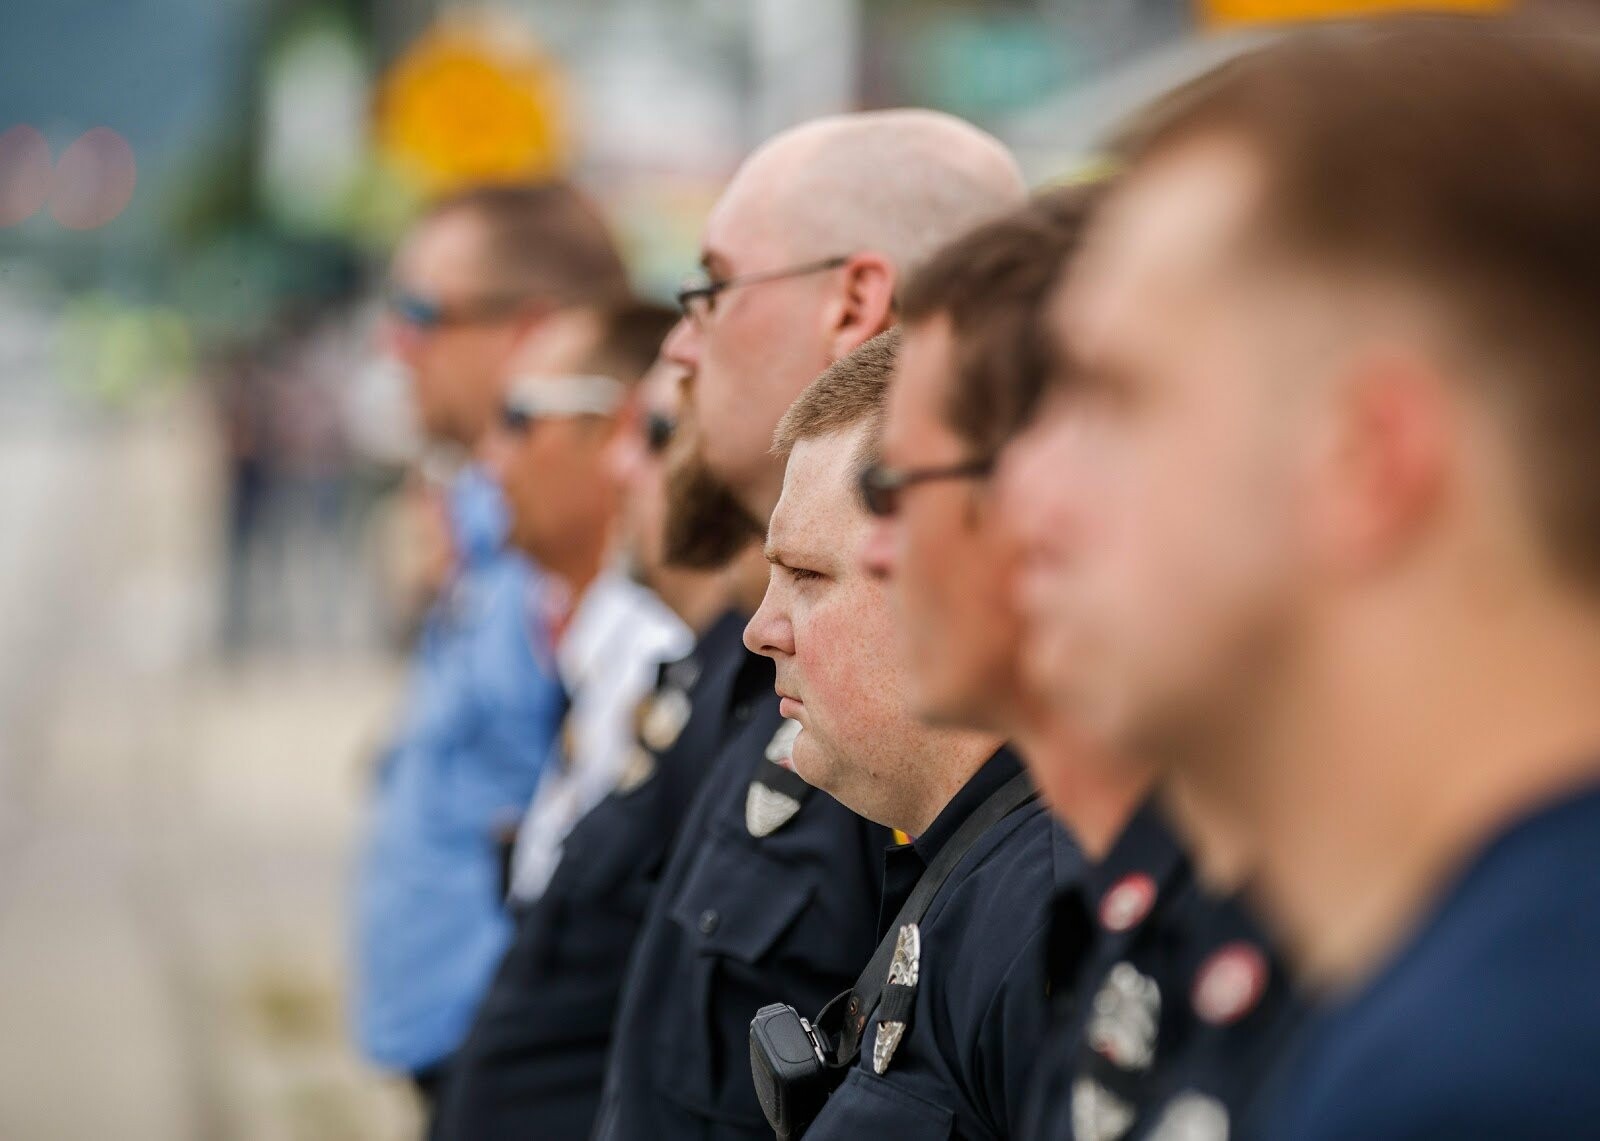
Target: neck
point(1093, 794)
point(697, 597)
point(950, 759)
point(1421, 736)
point(578, 563)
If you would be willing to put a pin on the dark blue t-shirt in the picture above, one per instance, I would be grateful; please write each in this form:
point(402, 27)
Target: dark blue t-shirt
point(1487, 1024)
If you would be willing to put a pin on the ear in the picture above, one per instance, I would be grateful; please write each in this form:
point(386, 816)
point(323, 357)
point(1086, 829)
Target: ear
point(864, 305)
point(1388, 466)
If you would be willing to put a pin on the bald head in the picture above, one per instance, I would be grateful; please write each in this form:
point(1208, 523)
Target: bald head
point(901, 183)
point(822, 224)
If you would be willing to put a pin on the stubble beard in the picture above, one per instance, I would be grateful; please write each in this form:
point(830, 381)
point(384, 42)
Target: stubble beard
point(706, 526)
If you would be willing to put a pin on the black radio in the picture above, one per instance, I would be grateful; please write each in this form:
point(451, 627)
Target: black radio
point(789, 1061)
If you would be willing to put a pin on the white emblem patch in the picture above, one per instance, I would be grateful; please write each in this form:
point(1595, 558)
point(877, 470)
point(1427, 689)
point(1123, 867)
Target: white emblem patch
point(640, 768)
point(1127, 1014)
point(1192, 1117)
point(664, 718)
point(781, 747)
point(766, 809)
point(1097, 1113)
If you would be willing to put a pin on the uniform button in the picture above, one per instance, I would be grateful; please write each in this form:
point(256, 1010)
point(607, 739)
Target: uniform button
point(708, 921)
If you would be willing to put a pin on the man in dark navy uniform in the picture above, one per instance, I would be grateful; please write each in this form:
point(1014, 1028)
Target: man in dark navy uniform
point(772, 891)
point(1327, 478)
point(533, 1062)
point(977, 361)
point(953, 1063)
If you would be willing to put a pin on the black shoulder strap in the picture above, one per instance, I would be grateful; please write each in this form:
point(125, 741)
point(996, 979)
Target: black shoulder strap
point(863, 998)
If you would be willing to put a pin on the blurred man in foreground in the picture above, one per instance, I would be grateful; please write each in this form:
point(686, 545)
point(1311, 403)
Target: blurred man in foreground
point(533, 1062)
point(479, 273)
point(771, 894)
point(1327, 485)
point(977, 362)
point(947, 1050)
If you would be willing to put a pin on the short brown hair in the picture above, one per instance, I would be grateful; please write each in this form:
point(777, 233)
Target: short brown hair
point(992, 284)
point(543, 240)
point(851, 391)
point(630, 340)
point(1459, 158)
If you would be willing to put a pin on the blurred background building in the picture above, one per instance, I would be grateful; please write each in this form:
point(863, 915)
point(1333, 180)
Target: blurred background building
point(204, 566)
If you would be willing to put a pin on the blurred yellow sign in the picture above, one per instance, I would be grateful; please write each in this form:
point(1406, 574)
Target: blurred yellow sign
point(1218, 13)
point(473, 100)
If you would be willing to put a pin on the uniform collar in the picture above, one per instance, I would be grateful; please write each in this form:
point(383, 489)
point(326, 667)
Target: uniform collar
point(998, 769)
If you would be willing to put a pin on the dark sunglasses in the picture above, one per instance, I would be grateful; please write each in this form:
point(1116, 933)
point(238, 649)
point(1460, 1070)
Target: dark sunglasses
point(659, 429)
point(882, 486)
point(424, 313)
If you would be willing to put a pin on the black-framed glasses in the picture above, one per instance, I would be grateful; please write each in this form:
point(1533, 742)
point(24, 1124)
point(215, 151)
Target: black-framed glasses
point(881, 486)
point(698, 297)
point(659, 428)
point(427, 313)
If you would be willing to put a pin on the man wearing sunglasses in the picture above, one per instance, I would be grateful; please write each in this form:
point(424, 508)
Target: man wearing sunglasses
point(772, 891)
point(479, 273)
point(533, 1061)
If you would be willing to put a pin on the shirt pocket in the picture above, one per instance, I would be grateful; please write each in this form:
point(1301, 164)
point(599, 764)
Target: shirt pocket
point(866, 1105)
point(733, 911)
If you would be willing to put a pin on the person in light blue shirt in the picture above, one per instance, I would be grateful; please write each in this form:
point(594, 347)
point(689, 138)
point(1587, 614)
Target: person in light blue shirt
point(480, 273)
point(481, 712)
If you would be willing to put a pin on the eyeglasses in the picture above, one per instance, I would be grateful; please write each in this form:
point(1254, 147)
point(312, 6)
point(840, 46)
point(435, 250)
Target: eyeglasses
point(530, 399)
point(881, 486)
point(698, 297)
point(659, 428)
point(427, 314)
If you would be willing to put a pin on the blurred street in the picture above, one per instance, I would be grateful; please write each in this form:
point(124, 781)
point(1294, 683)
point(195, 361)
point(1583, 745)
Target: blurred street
point(173, 837)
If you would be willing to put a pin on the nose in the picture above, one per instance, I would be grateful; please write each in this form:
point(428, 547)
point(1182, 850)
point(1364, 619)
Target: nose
point(769, 631)
point(878, 550)
point(682, 346)
point(396, 338)
point(495, 453)
point(625, 453)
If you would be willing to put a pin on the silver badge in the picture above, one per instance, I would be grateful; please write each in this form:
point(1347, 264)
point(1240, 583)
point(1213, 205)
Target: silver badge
point(1127, 1014)
point(903, 970)
point(641, 767)
point(781, 747)
point(1192, 1117)
point(663, 717)
point(1097, 1113)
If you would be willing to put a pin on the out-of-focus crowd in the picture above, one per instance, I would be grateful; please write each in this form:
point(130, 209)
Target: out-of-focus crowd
point(1117, 661)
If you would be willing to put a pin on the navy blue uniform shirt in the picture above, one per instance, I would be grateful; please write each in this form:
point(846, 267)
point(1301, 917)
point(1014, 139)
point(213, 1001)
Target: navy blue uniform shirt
point(533, 1062)
point(771, 895)
point(980, 1007)
point(1177, 1012)
point(1487, 1024)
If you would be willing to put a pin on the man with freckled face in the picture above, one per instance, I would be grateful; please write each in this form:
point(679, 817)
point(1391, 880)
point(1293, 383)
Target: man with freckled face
point(957, 1065)
point(772, 892)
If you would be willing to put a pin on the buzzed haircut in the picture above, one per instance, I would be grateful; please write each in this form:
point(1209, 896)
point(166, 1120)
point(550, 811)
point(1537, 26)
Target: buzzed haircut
point(544, 240)
point(850, 392)
point(992, 285)
point(1458, 159)
point(630, 340)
